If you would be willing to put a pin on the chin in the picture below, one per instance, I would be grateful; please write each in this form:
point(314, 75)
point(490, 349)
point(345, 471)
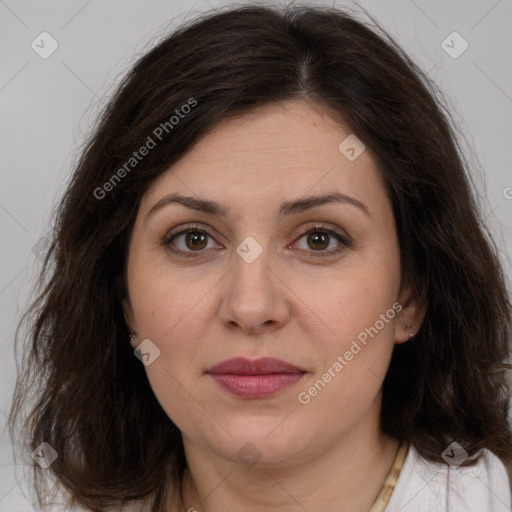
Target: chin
point(263, 442)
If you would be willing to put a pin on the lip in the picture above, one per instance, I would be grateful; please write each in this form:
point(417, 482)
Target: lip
point(255, 378)
point(262, 366)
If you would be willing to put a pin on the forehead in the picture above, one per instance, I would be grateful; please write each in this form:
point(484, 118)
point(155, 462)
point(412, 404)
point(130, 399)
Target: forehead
point(277, 151)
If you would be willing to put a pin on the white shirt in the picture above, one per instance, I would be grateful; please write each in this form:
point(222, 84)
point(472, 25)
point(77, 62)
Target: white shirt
point(425, 486)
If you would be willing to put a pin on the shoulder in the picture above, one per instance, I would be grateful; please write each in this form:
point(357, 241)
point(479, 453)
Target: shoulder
point(425, 486)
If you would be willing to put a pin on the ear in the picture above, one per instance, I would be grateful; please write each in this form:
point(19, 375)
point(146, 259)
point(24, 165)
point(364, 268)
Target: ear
point(130, 320)
point(410, 317)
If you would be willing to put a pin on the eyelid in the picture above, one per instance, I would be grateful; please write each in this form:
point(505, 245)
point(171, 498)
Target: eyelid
point(344, 239)
point(189, 227)
point(318, 226)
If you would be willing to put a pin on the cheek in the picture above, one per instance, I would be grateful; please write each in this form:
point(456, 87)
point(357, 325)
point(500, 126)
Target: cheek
point(167, 314)
point(165, 310)
point(352, 364)
point(162, 300)
point(358, 310)
point(349, 301)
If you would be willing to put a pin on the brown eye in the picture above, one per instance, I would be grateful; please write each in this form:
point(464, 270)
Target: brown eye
point(319, 238)
point(192, 241)
point(188, 241)
point(195, 240)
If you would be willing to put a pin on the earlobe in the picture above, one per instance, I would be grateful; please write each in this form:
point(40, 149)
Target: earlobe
point(130, 324)
point(405, 327)
point(133, 343)
point(410, 318)
point(405, 331)
point(128, 313)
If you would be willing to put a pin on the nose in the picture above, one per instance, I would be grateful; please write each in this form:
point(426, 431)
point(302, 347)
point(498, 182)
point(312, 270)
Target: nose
point(255, 297)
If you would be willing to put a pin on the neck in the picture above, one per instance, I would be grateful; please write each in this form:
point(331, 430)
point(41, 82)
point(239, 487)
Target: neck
point(349, 474)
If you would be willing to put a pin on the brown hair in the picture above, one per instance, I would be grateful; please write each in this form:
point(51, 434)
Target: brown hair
point(93, 403)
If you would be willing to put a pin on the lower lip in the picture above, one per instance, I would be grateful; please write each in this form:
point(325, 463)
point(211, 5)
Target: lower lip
point(255, 386)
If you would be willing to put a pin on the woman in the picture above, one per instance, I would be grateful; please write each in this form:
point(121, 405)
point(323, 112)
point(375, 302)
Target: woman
point(274, 217)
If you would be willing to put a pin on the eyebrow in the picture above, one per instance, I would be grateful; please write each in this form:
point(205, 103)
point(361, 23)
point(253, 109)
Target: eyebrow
point(286, 208)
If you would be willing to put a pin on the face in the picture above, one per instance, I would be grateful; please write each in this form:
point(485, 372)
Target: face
point(264, 273)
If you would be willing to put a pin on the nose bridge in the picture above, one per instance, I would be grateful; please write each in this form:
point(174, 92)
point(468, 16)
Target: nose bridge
point(251, 268)
point(253, 294)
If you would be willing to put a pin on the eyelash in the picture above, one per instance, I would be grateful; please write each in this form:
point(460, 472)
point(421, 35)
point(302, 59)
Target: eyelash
point(317, 228)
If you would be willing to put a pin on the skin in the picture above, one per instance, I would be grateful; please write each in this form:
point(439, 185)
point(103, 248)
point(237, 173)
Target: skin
point(287, 304)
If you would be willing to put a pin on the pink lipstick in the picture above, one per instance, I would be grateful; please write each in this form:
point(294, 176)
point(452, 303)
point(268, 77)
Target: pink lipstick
point(255, 378)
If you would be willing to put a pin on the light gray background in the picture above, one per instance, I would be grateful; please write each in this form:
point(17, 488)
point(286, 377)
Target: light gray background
point(48, 105)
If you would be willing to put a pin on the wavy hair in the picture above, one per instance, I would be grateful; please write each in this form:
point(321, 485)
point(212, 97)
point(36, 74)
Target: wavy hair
point(81, 389)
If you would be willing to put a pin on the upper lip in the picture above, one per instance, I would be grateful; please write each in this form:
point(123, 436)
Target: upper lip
point(262, 366)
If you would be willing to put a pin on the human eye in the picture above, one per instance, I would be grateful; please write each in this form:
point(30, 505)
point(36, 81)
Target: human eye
point(192, 241)
point(188, 240)
point(321, 236)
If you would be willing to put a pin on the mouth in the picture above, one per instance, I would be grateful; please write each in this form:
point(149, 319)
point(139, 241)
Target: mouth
point(256, 378)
